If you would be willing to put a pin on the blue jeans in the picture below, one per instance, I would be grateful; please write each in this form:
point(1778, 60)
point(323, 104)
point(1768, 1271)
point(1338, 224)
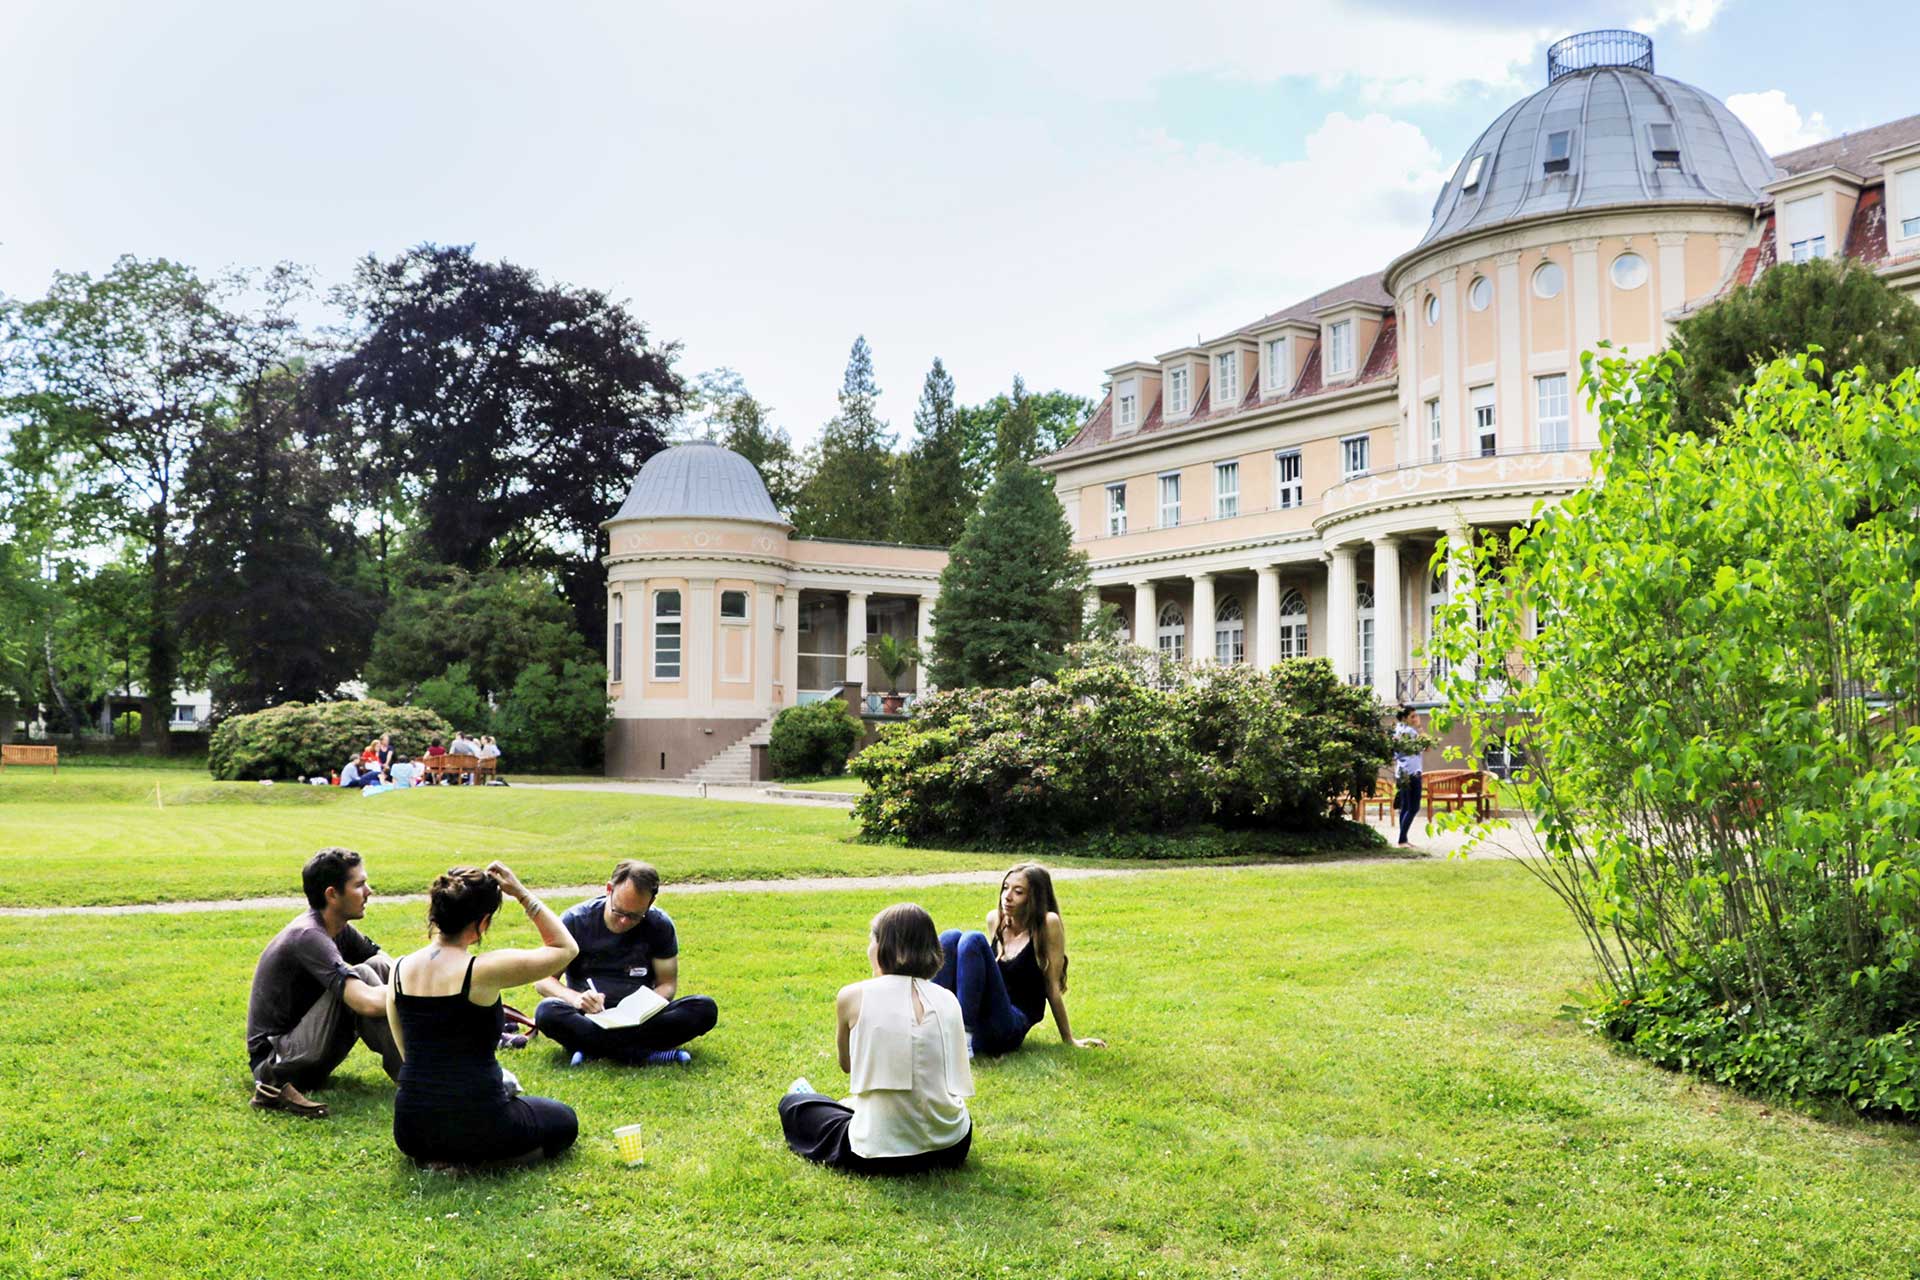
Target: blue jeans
point(973, 975)
point(1406, 802)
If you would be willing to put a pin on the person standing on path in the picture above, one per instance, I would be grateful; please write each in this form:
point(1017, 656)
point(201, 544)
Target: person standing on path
point(1407, 769)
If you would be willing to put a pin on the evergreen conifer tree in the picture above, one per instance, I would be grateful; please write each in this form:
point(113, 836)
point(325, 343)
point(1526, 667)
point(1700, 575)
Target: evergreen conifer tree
point(934, 497)
point(850, 493)
point(1012, 597)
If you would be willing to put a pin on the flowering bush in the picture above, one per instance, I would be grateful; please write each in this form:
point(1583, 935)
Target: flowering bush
point(1100, 750)
point(302, 740)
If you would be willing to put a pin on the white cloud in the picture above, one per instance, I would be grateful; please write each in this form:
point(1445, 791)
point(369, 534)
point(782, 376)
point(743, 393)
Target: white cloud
point(1777, 122)
point(1690, 16)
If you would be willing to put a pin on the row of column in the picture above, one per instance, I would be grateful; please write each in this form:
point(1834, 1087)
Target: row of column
point(857, 635)
point(1343, 609)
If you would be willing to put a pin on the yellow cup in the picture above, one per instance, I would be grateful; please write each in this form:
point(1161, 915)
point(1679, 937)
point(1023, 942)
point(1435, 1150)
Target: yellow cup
point(627, 1139)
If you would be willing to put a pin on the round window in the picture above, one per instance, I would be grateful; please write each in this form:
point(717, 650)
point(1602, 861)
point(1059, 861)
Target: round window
point(1480, 293)
point(1433, 309)
point(1629, 271)
point(1548, 280)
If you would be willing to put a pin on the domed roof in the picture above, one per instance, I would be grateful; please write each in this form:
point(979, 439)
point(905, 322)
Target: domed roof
point(1605, 132)
point(699, 480)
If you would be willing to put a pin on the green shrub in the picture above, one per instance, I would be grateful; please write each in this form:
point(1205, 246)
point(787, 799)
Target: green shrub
point(812, 741)
point(555, 720)
point(1100, 750)
point(303, 740)
point(453, 697)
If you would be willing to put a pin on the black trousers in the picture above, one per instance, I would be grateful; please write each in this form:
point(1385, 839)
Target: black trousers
point(1406, 802)
point(514, 1132)
point(682, 1020)
point(816, 1129)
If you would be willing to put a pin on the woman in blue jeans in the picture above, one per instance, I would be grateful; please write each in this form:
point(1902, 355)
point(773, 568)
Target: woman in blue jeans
point(1007, 977)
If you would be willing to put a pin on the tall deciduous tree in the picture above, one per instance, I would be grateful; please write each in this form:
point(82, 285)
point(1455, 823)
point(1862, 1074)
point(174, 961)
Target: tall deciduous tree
point(850, 493)
point(269, 576)
point(1012, 597)
point(509, 414)
point(497, 623)
point(730, 416)
point(934, 498)
point(124, 373)
point(1853, 315)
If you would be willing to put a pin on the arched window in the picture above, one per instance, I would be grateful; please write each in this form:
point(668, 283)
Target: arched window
point(1173, 632)
point(1229, 633)
point(1364, 599)
point(1293, 626)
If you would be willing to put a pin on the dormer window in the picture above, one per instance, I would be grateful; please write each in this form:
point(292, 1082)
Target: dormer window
point(1340, 348)
point(1474, 166)
point(1126, 404)
point(1559, 156)
point(1665, 140)
point(1179, 390)
point(1279, 368)
point(1907, 191)
point(1806, 234)
point(1226, 377)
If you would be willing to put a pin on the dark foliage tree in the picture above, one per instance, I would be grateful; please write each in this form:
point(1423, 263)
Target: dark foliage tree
point(1012, 597)
point(1056, 416)
point(506, 414)
point(1839, 306)
point(497, 623)
point(934, 498)
point(269, 574)
point(850, 491)
point(123, 373)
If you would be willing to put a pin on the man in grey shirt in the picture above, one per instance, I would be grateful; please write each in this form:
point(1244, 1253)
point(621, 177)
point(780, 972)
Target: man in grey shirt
point(319, 986)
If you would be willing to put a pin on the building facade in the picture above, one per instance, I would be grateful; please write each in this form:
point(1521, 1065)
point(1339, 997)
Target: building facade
point(1281, 490)
point(717, 617)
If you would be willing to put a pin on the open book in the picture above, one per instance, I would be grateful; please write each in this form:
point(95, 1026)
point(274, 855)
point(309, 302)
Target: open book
point(631, 1012)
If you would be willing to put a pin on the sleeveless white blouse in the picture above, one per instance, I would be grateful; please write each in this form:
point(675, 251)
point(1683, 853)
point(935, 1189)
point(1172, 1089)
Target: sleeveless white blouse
point(909, 1080)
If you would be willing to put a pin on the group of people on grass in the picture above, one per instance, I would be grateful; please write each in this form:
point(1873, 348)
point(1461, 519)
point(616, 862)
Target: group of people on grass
point(378, 765)
point(437, 1020)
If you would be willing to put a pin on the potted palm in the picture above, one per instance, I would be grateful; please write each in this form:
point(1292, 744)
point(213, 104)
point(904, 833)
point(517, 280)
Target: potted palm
point(893, 656)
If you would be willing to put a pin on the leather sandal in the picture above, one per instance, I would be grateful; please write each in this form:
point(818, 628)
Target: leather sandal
point(268, 1097)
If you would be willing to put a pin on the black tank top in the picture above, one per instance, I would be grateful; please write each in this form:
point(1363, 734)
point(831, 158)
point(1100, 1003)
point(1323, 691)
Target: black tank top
point(1026, 986)
point(450, 1043)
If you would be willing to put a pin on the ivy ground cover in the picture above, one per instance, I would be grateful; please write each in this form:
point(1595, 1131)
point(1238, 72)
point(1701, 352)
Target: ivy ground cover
point(1314, 1071)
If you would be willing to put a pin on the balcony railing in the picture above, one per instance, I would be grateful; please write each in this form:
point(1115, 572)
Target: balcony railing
point(1417, 685)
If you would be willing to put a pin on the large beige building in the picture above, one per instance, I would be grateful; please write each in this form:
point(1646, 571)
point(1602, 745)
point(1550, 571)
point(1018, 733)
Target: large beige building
point(1280, 490)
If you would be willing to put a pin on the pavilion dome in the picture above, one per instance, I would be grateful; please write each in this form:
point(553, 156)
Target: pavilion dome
point(702, 481)
point(1605, 133)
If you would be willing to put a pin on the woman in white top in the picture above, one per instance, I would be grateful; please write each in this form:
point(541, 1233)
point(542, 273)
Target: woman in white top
point(903, 1045)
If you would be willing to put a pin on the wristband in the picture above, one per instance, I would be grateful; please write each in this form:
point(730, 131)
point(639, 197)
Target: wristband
point(534, 906)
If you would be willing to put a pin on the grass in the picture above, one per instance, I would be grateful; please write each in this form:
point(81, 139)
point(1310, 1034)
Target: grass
point(1314, 1071)
point(845, 782)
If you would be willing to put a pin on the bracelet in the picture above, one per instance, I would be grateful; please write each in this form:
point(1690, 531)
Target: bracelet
point(533, 905)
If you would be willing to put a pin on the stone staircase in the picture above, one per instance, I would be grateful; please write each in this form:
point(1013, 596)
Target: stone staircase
point(733, 766)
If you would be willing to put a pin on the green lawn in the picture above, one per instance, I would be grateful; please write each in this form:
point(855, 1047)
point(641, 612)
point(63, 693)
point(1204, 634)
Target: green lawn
point(1314, 1071)
point(845, 782)
point(145, 835)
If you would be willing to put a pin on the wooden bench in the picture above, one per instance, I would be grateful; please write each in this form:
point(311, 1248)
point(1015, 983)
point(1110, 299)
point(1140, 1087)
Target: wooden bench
point(1381, 798)
point(444, 768)
point(1449, 790)
point(22, 753)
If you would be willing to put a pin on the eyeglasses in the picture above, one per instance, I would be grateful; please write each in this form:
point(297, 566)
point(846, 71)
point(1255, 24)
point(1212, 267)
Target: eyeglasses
point(630, 917)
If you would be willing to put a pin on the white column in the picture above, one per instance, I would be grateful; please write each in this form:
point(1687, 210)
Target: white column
point(698, 637)
point(1459, 562)
point(856, 637)
point(923, 641)
point(1673, 280)
point(764, 642)
point(1201, 648)
point(1386, 619)
point(789, 642)
point(1586, 332)
point(1266, 621)
point(1343, 620)
point(1146, 612)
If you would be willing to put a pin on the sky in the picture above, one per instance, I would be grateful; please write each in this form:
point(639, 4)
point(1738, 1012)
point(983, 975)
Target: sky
point(1043, 188)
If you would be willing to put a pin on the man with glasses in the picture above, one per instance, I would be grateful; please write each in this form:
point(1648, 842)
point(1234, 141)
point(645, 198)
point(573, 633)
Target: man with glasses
point(626, 942)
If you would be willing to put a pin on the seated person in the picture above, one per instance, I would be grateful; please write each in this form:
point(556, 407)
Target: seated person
point(350, 773)
point(318, 987)
point(405, 772)
point(455, 1105)
point(626, 942)
point(489, 749)
point(904, 1048)
point(1006, 982)
point(462, 745)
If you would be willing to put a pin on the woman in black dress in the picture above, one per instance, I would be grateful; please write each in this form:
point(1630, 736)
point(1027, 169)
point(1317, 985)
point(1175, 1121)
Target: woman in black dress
point(1008, 977)
point(454, 1105)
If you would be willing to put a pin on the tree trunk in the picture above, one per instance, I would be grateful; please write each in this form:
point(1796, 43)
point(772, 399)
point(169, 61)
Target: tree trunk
point(162, 659)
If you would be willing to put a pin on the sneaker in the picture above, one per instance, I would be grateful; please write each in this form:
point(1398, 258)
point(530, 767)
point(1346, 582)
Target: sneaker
point(801, 1085)
point(578, 1059)
point(668, 1058)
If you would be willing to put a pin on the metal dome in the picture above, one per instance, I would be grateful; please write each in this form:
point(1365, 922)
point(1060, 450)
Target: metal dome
point(702, 481)
point(1605, 132)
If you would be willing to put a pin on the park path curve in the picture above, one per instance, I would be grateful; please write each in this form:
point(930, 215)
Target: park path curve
point(1439, 845)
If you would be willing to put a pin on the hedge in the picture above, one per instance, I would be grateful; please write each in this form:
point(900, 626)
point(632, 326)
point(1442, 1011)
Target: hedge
point(303, 740)
point(812, 740)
